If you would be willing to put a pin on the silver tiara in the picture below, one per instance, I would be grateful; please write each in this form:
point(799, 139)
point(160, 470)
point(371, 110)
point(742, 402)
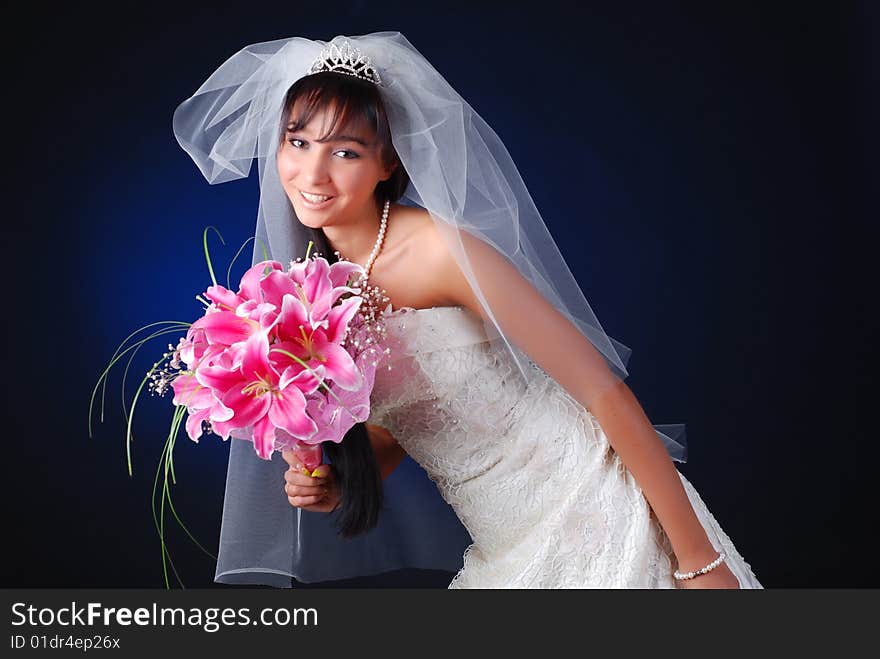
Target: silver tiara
point(346, 59)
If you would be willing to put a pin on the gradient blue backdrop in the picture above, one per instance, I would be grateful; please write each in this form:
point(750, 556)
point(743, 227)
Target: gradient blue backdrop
point(703, 170)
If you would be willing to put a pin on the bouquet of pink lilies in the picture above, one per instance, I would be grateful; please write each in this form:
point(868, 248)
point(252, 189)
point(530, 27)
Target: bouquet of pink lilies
point(287, 361)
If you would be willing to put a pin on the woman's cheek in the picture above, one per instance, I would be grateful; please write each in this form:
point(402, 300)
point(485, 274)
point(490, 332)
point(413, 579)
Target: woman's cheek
point(285, 167)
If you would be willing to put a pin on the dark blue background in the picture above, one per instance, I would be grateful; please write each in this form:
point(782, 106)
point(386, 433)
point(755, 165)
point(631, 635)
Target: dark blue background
point(705, 172)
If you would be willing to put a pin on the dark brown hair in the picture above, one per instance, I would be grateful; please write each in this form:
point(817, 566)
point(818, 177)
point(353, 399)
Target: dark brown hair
point(350, 102)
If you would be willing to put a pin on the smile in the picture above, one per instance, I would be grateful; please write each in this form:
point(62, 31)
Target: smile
point(315, 199)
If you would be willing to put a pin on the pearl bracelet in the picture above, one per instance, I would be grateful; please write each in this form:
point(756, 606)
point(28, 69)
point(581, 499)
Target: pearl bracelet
point(690, 575)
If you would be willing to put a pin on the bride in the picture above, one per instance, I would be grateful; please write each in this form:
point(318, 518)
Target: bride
point(503, 443)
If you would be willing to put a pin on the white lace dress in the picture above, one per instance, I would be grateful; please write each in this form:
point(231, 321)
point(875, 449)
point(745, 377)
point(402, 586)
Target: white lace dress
point(533, 478)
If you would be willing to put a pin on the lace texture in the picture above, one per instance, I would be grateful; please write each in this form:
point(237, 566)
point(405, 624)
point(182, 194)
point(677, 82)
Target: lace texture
point(530, 473)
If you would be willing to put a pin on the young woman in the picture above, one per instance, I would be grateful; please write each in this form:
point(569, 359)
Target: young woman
point(503, 387)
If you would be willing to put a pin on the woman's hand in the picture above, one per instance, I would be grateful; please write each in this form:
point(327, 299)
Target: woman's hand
point(317, 493)
point(720, 577)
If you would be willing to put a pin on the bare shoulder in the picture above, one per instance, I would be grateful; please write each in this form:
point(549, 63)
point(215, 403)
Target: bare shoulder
point(418, 267)
point(440, 272)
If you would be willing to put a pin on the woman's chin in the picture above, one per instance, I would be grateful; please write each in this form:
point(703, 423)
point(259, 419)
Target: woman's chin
point(310, 222)
point(310, 218)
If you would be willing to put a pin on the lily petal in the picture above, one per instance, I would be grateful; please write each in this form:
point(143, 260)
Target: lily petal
point(225, 327)
point(264, 438)
point(317, 283)
point(340, 316)
point(223, 297)
point(302, 378)
point(194, 424)
point(338, 365)
point(341, 272)
point(294, 316)
point(250, 281)
point(255, 364)
point(247, 408)
point(288, 413)
point(276, 285)
point(217, 378)
point(188, 391)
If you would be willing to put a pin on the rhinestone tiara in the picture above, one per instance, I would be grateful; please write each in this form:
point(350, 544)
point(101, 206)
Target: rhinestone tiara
point(346, 59)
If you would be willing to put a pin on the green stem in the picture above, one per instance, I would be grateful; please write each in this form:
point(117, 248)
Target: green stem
point(207, 253)
point(234, 258)
point(137, 347)
point(116, 357)
point(156, 521)
point(173, 441)
point(131, 417)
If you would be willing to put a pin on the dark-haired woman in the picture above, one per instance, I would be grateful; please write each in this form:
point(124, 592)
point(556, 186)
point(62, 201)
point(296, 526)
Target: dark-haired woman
point(502, 387)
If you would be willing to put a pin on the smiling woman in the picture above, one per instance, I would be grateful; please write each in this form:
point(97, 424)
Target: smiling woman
point(510, 398)
point(335, 159)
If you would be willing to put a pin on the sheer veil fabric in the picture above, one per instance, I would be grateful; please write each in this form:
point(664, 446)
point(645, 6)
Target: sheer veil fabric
point(459, 171)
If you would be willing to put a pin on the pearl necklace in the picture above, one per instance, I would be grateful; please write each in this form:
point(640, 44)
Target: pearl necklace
point(379, 241)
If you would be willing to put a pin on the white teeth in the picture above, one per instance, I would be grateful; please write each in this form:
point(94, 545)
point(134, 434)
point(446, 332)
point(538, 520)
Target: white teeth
point(314, 198)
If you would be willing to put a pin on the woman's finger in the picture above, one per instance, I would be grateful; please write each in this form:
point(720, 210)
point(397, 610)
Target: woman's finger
point(302, 502)
point(295, 478)
point(299, 490)
point(322, 471)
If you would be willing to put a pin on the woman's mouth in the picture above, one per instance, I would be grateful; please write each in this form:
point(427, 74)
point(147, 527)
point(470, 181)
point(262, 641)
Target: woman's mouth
point(315, 201)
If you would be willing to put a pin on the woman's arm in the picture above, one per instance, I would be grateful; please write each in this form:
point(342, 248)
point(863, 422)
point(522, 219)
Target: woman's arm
point(562, 351)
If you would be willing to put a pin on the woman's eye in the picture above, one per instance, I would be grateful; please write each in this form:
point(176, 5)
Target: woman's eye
point(297, 143)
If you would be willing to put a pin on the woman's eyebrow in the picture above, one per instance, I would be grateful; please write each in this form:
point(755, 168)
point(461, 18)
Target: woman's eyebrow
point(343, 138)
point(334, 138)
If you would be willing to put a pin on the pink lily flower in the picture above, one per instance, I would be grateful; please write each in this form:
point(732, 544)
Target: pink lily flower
point(319, 290)
point(319, 347)
point(333, 414)
point(315, 283)
point(225, 299)
point(250, 288)
point(227, 327)
point(332, 417)
point(276, 285)
point(261, 397)
point(263, 313)
point(201, 403)
point(340, 272)
point(191, 348)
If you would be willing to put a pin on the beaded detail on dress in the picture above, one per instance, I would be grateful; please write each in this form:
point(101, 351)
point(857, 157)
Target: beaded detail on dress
point(527, 469)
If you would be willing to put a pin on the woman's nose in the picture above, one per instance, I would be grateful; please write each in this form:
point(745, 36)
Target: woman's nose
point(314, 169)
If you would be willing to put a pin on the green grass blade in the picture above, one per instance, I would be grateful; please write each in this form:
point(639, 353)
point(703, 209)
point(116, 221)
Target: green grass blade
point(207, 252)
point(132, 356)
point(234, 259)
point(114, 359)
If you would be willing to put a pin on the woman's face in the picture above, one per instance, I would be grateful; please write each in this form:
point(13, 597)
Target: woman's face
point(330, 182)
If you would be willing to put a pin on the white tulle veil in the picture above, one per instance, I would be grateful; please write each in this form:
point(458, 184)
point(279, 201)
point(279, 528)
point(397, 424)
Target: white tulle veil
point(459, 171)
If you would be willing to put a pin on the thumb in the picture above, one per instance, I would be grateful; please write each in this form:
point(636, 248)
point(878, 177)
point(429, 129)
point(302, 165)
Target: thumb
point(321, 471)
